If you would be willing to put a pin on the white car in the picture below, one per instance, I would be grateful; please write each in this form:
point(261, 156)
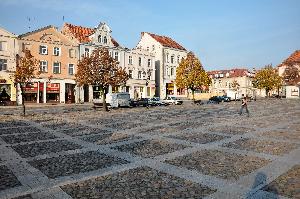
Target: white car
point(173, 100)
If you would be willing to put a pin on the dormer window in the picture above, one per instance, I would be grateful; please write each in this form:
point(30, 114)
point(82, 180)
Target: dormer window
point(100, 39)
point(105, 40)
point(221, 75)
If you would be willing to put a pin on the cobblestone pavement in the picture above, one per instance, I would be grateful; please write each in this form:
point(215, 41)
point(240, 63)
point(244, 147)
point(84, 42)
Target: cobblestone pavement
point(185, 151)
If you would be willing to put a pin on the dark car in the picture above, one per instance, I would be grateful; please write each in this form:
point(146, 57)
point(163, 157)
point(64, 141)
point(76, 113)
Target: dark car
point(140, 102)
point(224, 98)
point(214, 99)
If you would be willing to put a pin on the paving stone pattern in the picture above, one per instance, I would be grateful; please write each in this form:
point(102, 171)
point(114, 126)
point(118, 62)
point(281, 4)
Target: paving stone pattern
point(40, 148)
point(75, 163)
point(139, 183)
point(7, 178)
point(186, 151)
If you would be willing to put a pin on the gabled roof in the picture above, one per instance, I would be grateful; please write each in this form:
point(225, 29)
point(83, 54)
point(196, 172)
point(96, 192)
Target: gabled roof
point(294, 58)
point(237, 72)
point(82, 33)
point(7, 32)
point(165, 41)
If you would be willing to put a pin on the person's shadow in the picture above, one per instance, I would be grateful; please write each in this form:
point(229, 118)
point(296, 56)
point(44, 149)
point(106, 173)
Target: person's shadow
point(260, 184)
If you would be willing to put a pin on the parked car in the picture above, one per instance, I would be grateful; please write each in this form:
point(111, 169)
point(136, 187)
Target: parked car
point(225, 98)
point(218, 99)
point(140, 102)
point(155, 101)
point(173, 100)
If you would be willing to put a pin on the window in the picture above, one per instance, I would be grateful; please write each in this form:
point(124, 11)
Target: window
point(56, 67)
point(130, 74)
point(86, 52)
point(140, 75)
point(221, 75)
point(178, 59)
point(3, 64)
point(56, 51)
point(167, 58)
point(71, 69)
point(43, 50)
point(100, 39)
point(3, 45)
point(144, 75)
point(140, 61)
point(149, 62)
point(172, 59)
point(72, 53)
point(153, 47)
point(172, 71)
point(147, 48)
point(130, 60)
point(117, 56)
point(105, 40)
point(43, 66)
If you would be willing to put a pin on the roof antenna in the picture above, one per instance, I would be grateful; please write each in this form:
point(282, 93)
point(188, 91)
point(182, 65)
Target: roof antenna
point(63, 18)
point(28, 18)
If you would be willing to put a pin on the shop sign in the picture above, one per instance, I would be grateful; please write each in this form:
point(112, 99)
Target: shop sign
point(53, 88)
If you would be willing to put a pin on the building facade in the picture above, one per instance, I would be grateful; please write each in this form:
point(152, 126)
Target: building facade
point(168, 55)
point(138, 63)
point(58, 57)
point(291, 88)
point(8, 51)
point(235, 80)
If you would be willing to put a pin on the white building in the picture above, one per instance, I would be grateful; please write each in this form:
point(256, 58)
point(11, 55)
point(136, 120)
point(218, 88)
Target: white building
point(138, 63)
point(8, 50)
point(168, 55)
point(291, 89)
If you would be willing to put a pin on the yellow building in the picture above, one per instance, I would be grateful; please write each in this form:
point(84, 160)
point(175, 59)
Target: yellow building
point(8, 52)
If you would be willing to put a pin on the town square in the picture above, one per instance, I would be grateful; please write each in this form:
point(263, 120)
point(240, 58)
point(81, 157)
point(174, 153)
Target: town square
point(149, 99)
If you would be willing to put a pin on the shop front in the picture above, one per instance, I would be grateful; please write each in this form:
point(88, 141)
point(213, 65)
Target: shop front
point(169, 89)
point(53, 90)
point(31, 92)
point(70, 93)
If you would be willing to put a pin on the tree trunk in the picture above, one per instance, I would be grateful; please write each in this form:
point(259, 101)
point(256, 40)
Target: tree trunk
point(193, 94)
point(23, 99)
point(104, 99)
point(267, 93)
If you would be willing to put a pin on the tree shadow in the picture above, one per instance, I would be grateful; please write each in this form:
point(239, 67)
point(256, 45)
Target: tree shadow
point(260, 183)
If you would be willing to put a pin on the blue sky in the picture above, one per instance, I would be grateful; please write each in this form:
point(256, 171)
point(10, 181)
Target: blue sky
point(223, 33)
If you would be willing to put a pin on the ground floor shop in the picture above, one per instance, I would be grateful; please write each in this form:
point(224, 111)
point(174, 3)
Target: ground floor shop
point(7, 91)
point(55, 91)
point(168, 88)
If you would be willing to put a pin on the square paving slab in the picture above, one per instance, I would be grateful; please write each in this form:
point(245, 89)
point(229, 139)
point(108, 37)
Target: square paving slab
point(274, 148)
point(137, 183)
point(287, 184)
point(108, 138)
point(12, 139)
point(23, 129)
point(220, 164)
point(40, 148)
point(5, 124)
point(231, 130)
point(7, 178)
point(150, 148)
point(75, 163)
point(285, 135)
point(201, 138)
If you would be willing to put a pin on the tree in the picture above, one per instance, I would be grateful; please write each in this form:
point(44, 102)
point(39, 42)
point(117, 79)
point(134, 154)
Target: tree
point(267, 78)
point(191, 75)
point(102, 70)
point(235, 86)
point(291, 75)
point(26, 70)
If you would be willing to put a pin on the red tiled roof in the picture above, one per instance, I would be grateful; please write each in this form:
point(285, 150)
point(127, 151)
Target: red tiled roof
point(166, 41)
point(292, 59)
point(232, 73)
point(83, 33)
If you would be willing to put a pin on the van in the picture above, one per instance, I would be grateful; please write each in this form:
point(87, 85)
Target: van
point(118, 99)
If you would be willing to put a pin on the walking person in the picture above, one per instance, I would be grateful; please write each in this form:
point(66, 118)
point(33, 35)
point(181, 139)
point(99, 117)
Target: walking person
point(244, 105)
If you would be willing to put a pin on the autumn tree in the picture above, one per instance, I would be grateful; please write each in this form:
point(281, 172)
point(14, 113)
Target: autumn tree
point(191, 75)
point(268, 79)
point(235, 86)
point(291, 75)
point(26, 70)
point(100, 69)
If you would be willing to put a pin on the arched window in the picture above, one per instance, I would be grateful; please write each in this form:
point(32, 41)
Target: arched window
point(105, 40)
point(100, 39)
